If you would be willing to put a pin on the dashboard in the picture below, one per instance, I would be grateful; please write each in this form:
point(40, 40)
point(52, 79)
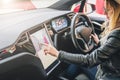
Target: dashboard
point(30, 39)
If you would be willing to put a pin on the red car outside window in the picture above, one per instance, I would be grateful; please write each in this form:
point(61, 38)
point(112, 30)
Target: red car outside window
point(99, 6)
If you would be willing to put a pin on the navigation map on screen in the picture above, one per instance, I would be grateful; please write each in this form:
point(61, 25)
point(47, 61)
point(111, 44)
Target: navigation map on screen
point(37, 38)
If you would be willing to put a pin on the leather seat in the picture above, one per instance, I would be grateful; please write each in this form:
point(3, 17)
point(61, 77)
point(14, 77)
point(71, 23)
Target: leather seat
point(22, 66)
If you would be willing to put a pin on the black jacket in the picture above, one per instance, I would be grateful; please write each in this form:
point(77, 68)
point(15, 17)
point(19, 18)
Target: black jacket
point(107, 55)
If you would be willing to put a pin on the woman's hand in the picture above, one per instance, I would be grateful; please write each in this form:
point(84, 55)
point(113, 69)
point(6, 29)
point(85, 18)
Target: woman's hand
point(95, 37)
point(49, 49)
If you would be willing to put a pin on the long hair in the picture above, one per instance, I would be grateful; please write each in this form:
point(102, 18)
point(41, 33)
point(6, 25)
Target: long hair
point(115, 17)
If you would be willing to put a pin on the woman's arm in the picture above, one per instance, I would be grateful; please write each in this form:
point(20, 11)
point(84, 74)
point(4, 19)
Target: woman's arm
point(99, 55)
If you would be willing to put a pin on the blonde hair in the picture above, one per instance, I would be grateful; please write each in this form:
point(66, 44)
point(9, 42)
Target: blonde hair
point(115, 17)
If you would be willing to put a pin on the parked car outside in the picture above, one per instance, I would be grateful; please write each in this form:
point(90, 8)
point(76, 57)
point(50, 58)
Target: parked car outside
point(96, 5)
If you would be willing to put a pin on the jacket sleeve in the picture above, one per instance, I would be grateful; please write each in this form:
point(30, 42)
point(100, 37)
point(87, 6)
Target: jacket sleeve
point(101, 54)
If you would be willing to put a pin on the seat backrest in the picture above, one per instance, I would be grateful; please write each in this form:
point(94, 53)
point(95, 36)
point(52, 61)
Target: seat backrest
point(22, 66)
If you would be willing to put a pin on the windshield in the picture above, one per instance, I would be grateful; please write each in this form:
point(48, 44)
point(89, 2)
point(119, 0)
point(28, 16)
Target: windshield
point(7, 6)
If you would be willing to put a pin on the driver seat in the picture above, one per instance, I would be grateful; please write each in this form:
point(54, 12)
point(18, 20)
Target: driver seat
point(22, 66)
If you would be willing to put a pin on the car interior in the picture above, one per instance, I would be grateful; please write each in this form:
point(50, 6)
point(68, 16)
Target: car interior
point(23, 58)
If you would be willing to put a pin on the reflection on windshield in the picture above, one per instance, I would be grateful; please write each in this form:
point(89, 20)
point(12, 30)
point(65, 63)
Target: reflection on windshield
point(7, 6)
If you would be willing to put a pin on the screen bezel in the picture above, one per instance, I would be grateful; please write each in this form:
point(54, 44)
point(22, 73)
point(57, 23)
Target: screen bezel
point(56, 62)
point(61, 28)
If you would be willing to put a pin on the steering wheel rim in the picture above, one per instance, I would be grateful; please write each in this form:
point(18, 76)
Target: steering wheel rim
point(88, 47)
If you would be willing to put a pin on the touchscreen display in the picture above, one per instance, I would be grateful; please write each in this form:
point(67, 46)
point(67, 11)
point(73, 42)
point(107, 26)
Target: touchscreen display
point(59, 23)
point(37, 38)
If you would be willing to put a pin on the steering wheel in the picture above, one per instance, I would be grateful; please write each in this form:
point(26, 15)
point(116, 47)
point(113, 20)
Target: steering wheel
point(81, 30)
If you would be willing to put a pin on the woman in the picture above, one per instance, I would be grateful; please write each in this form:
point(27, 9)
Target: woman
point(107, 55)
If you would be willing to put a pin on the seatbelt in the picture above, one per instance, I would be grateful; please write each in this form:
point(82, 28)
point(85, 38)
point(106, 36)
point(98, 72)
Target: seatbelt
point(82, 5)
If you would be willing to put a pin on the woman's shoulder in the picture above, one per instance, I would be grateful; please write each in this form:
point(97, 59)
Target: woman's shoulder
point(115, 33)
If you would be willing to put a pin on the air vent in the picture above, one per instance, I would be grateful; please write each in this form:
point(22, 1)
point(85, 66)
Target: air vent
point(48, 25)
point(23, 39)
point(71, 15)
